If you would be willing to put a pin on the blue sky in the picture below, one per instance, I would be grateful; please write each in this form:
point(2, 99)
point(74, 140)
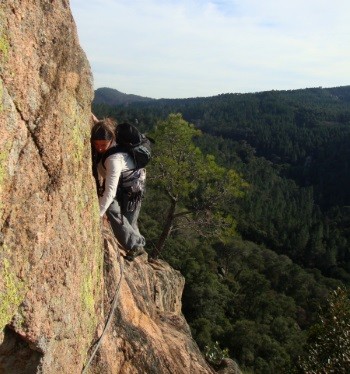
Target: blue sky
point(196, 48)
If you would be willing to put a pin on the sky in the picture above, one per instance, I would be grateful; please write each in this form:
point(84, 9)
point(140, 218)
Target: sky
point(201, 48)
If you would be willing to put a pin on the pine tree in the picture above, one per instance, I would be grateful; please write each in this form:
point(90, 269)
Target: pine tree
point(197, 188)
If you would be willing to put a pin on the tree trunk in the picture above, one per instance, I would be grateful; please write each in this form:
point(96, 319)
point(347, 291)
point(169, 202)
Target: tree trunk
point(166, 229)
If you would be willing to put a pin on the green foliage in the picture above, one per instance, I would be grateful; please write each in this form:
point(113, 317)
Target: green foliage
point(328, 349)
point(176, 158)
point(196, 186)
point(214, 354)
point(282, 247)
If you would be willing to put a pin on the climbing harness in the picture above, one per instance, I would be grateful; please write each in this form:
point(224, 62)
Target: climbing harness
point(109, 319)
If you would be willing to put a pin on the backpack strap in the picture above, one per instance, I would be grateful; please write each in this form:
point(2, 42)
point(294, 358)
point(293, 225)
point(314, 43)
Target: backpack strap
point(112, 151)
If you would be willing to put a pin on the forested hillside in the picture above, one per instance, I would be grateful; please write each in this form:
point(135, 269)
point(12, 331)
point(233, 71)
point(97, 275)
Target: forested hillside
point(258, 291)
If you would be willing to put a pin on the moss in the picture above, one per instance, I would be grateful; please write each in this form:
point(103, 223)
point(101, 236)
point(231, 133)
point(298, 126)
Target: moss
point(87, 294)
point(3, 158)
point(93, 272)
point(4, 155)
point(86, 209)
point(87, 297)
point(4, 43)
point(12, 294)
point(4, 47)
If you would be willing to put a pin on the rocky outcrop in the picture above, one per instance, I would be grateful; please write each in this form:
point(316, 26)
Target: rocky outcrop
point(228, 366)
point(148, 333)
point(56, 274)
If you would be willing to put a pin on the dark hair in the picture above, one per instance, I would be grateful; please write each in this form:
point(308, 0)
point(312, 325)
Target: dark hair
point(104, 129)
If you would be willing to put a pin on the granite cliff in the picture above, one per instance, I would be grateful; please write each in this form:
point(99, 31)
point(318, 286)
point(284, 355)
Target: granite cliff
point(59, 269)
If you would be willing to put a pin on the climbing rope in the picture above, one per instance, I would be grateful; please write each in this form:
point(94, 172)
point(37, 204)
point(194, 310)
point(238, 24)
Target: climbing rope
point(109, 319)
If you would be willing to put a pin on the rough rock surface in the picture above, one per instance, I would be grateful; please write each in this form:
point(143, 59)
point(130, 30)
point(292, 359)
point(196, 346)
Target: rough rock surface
point(50, 257)
point(148, 333)
point(228, 366)
point(55, 288)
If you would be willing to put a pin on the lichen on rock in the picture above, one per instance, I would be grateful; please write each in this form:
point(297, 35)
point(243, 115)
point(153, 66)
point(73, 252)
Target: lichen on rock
point(4, 43)
point(11, 293)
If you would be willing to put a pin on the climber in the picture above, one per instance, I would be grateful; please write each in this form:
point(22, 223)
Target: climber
point(110, 165)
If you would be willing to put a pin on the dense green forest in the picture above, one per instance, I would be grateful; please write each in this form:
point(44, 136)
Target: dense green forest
point(258, 291)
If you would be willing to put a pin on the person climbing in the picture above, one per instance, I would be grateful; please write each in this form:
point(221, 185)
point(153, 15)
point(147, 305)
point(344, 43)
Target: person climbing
point(113, 165)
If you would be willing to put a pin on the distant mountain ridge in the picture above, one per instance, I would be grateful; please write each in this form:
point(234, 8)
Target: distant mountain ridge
point(110, 96)
point(340, 95)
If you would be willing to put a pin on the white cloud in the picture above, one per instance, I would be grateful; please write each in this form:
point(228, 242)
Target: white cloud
point(201, 48)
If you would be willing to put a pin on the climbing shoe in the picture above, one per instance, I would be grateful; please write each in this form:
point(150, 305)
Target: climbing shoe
point(133, 253)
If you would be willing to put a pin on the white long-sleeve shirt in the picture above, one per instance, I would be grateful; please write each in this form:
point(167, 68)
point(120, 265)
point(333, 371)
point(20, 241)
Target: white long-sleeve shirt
point(114, 166)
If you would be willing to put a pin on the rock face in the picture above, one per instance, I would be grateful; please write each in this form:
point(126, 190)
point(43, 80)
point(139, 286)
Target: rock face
point(56, 274)
point(50, 257)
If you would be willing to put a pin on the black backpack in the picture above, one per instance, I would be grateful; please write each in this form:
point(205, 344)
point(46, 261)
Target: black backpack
point(131, 141)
